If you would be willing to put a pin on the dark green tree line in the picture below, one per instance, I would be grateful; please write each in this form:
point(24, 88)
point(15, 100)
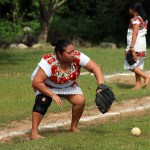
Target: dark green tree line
point(94, 21)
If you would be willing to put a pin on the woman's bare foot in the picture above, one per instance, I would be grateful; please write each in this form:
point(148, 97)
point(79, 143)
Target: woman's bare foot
point(36, 137)
point(136, 88)
point(74, 130)
point(146, 81)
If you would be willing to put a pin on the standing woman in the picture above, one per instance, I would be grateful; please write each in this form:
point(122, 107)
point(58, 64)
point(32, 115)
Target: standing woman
point(136, 42)
point(55, 77)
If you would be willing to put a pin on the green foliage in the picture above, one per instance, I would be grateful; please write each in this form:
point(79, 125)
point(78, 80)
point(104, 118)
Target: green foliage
point(12, 32)
point(14, 16)
point(8, 1)
point(89, 20)
point(9, 31)
point(98, 23)
point(94, 21)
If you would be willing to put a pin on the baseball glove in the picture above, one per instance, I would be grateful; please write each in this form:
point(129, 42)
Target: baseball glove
point(131, 57)
point(104, 98)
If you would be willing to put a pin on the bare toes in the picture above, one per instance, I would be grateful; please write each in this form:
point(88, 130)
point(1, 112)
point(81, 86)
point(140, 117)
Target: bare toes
point(74, 130)
point(36, 137)
point(146, 81)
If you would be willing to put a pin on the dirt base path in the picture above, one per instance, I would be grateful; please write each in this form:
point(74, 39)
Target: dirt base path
point(61, 121)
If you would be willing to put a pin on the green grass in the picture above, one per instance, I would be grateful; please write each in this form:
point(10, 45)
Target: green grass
point(17, 99)
point(17, 96)
point(114, 135)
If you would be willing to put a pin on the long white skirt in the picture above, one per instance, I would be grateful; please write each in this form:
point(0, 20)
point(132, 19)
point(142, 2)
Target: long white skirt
point(139, 64)
point(140, 44)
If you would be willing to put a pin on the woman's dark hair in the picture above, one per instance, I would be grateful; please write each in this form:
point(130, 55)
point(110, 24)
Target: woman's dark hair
point(137, 6)
point(60, 45)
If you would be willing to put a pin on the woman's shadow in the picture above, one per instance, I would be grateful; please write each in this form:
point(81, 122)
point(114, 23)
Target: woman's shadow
point(124, 85)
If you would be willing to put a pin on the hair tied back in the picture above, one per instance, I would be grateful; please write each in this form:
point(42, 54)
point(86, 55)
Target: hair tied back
point(54, 42)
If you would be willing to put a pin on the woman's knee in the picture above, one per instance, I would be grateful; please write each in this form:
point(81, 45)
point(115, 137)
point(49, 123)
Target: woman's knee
point(77, 100)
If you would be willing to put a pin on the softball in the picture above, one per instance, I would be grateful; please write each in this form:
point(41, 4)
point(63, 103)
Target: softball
point(136, 131)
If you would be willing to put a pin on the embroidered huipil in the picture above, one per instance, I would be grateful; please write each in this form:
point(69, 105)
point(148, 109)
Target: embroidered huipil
point(140, 44)
point(60, 82)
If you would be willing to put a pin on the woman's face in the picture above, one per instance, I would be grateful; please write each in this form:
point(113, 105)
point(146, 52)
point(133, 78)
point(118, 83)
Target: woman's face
point(132, 12)
point(68, 54)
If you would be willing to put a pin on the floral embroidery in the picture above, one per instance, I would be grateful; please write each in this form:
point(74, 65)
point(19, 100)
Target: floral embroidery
point(142, 24)
point(59, 77)
point(49, 58)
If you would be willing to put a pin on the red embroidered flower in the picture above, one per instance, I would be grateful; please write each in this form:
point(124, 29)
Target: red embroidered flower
point(76, 61)
point(63, 79)
point(46, 56)
point(49, 62)
point(53, 59)
point(54, 69)
point(77, 53)
point(74, 75)
point(54, 79)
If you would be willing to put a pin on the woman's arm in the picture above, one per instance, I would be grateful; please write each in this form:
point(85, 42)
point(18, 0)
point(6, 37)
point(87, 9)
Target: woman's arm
point(96, 70)
point(134, 35)
point(38, 83)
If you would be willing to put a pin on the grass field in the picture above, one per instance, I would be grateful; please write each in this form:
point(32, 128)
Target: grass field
point(17, 98)
point(114, 135)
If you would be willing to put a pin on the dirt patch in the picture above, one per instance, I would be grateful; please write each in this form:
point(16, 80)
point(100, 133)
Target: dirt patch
point(125, 109)
point(124, 79)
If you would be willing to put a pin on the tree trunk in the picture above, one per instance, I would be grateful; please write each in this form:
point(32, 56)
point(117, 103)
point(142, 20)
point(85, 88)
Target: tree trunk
point(46, 16)
point(44, 31)
point(44, 22)
point(45, 26)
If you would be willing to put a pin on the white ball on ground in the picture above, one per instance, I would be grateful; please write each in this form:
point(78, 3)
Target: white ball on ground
point(136, 131)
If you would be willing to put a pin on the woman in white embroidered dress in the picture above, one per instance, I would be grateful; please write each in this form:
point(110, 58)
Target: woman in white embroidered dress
point(136, 41)
point(55, 77)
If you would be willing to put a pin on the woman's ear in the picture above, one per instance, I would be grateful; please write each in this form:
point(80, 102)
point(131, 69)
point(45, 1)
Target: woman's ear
point(59, 54)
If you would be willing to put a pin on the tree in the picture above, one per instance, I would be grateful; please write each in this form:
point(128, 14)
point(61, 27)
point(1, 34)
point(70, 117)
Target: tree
point(47, 10)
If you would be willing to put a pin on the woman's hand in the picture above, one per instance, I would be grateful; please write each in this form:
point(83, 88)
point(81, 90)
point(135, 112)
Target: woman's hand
point(133, 53)
point(38, 83)
point(134, 56)
point(57, 99)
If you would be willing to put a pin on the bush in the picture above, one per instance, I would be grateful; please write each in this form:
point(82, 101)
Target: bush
point(9, 31)
point(13, 33)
